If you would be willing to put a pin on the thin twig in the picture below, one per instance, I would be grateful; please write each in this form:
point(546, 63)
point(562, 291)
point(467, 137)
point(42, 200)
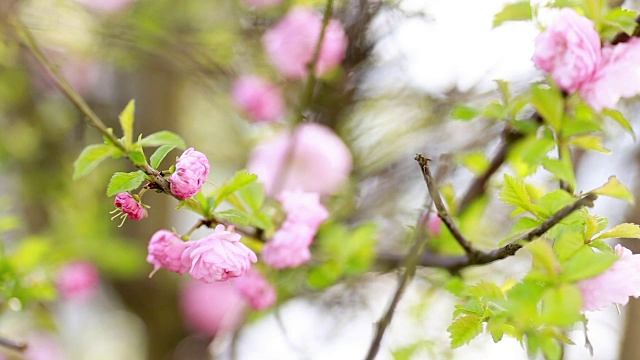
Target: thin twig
point(13, 345)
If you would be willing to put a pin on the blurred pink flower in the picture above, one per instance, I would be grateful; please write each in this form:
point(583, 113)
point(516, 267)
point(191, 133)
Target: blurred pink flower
point(615, 285)
point(165, 251)
point(569, 49)
point(211, 308)
point(289, 246)
point(43, 346)
point(259, 99)
point(218, 257)
point(77, 280)
point(311, 158)
point(130, 206)
point(255, 289)
point(191, 173)
point(291, 43)
point(434, 224)
point(618, 76)
point(303, 208)
point(106, 6)
point(262, 3)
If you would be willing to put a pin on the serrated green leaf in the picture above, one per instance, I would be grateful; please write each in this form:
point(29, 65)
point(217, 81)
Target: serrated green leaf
point(568, 244)
point(562, 170)
point(620, 119)
point(586, 263)
point(544, 258)
point(625, 230)
point(137, 157)
point(549, 103)
point(561, 305)
point(235, 216)
point(463, 112)
point(126, 122)
point(514, 193)
point(121, 182)
point(615, 189)
point(513, 12)
point(487, 290)
point(91, 157)
point(471, 307)
point(463, 329)
point(589, 142)
point(241, 179)
point(159, 155)
point(497, 327)
point(163, 138)
point(594, 225)
point(622, 19)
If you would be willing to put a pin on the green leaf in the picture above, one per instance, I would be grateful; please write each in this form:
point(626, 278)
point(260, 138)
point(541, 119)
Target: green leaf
point(513, 12)
point(586, 263)
point(163, 138)
point(159, 155)
point(463, 329)
point(477, 162)
point(252, 195)
point(466, 113)
point(137, 157)
point(615, 189)
point(594, 225)
point(324, 275)
point(561, 305)
point(545, 343)
point(514, 193)
point(622, 20)
point(241, 179)
point(562, 170)
point(589, 142)
point(126, 122)
point(503, 87)
point(549, 103)
point(625, 230)
point(487, 290)
point(121, 182)
point(568, 244)
point(91, 157)
point(620, 119)
point(235, 216)
point(543, 257)
point(472, 307)
point(495, 110)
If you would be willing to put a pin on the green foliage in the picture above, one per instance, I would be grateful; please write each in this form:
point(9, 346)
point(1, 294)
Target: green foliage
point(618, 117)
point(163, 138)
point(476, 162)
point(562, 169)
point(121, 182)
point(625, 230)
point(615, 189)
point(586, 263)
point(126, 123)
point(240, 180)
point(464, 329)
point(515, 193)
point(159, 155)
point(91, 157)
point(513, 12)
point(463, 112)
point(549, 102)
point(618, 20)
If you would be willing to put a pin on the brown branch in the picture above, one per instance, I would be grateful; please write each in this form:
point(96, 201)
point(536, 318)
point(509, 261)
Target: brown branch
point(13, 345)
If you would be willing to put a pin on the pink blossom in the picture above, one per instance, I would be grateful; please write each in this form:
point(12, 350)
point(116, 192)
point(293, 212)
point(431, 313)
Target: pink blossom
point(569, 49)
point(106, 6)
point(303, 208)
point(255, 289)
point(211, 308)
point(618, 76)
point(289, 246)
point(218, 257)
point(260, 100)
point(165, 251)
point(615, 285)
point(191, 173)
point(262, 3)
point(434, 224)
point(130, 206)
point(311, 158)
point(291, 43)
point(43, 346)
point(77, 280)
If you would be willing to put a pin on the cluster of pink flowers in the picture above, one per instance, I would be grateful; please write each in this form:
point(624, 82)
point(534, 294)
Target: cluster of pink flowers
point(290, 244)
point(130, 206)
point(291, 43)
point(615, 285)
point(311, 157)
point(260, 100)
point(570, 50)
point(77, 280)
point(191, 173)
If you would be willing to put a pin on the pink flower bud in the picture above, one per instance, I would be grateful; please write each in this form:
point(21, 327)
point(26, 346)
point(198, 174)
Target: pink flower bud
point(254, 288)
point(260, 100)
point(211, 308)
point(289, 246)
point(77, 280)
point(434, 224)
point(291, 43)
point(130, 206)
point(615, 285)
point(191, 173)
point(218, 257)
point(569, 49)
point(303, 208)
point(165, 251)
point(311, 158)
